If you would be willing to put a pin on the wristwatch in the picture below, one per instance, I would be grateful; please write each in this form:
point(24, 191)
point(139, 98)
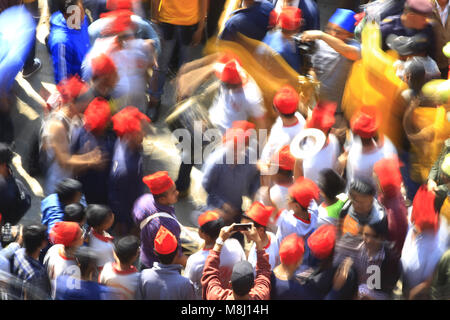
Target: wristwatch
point(219, 241)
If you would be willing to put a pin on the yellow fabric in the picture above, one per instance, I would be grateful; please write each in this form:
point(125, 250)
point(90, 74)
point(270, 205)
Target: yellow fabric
point(446, 165)
point(445, 210)
point(372, 81)
point(423, 155)
point(180, 12)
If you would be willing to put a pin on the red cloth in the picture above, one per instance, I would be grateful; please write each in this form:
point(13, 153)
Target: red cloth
point(286, 100)
point(303, 191)
point(97, 115)
point(230, 73)
point(237, 135)
point(102, 65)
point(285, 159)
point(322, 117)
point(424, 215)
point(388, 174)
point(290, 18)
point(121, 22)
point(273, 19)
point(365, 123)
point(165, 241)
point(158, 182)
point(64, 233)
point(259, 213)
point(321, 242)
point(71, 88)
point(243, 124)
point(292, 249)
point(119, 4)
point(212, 288)
point(207, 216)
point(128, 120)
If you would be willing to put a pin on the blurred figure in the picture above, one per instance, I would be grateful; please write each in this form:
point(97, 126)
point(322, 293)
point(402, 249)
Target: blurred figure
point(389, 181)
point(59, 163)
point(244, 284)
point(260, 215)
point(251, 20)
point(164, 281)
point(83, 286)
point(332, 187)
point(424, 246)
point(32, 64)
point(413, 20)
point(122, 274)
point(28, 268)
point(442, 32)
point(335, 51)
point(181, 24)
point(153, 210)
point(239, 97)
point(309, 9)
point(439, 177)
point(59, 260)
point(125, 177)
point(95, 133)
point(68, 41)
point(440, 285)
point(322, 118)
point(281, 41)
point(228, 175)
point(210, 223)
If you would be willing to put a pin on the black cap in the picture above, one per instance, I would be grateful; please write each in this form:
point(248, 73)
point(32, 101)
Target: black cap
point(408, 45)
point(242, 278)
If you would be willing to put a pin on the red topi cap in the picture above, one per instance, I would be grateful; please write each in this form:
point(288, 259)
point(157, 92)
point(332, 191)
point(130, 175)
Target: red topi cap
point(97, 115)
point(303, 191)
point(424, 215)
point(284, 158)
point(322, 240)
point(273, 18)
point(207, 216)
point(389, 176)
point(292, 249)
point(119, 5)
point(260, 213)
point(71, 88)
point(158, 182)
point(120, 22)
point(365, 122)
point(165, 241)
point(65, 233)
point(128, 120)
point(290, 18)
point(231, 73)
point(102, 65)
point(286, 100)
point(322, 117)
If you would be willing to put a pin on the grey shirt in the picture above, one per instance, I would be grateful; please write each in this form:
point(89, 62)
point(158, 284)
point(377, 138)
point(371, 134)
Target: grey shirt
point(164, 282)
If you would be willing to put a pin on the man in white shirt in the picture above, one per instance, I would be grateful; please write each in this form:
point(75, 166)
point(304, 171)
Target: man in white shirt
point(232, 252)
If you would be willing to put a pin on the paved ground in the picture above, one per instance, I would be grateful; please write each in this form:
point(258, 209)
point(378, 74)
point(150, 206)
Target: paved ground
point(160, 150)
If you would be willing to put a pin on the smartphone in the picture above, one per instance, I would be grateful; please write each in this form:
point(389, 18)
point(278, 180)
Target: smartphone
point(242, 226)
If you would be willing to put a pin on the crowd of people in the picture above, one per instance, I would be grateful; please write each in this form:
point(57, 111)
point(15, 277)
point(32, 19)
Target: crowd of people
point(330, 205)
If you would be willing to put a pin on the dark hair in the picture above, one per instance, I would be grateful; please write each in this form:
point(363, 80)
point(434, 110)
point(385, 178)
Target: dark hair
point(86, 259)
point(74, 212)
point(65, 4)
point(67, 188)
point(6, 154)
point(33, 236)
point(159, 196)
point(331, 183)
point(166, 258)
point(97, 214)
point(126, 248)
point(212, 228)
point(380, 227)
point(286, 173)
point(288, 115)
point(363, 186)
point(256, 224)
point(416, 72)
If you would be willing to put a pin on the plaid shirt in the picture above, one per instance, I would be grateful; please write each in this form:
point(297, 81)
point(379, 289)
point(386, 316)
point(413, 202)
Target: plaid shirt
point(33, 275)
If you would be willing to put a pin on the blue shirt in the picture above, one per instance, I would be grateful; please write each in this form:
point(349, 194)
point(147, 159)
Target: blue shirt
point(95, 182)
point(52, 211)
point(74, 289)
point(125, 181)
point(284, 47)
point(310, 14)
point(252, 22)
point(67, 46)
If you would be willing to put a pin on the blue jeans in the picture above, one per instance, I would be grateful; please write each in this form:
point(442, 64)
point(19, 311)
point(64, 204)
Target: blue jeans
point(170, 36)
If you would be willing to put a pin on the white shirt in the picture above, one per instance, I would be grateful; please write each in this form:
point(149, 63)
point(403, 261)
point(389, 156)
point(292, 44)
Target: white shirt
point(443, 13)
point(236, 104)
point(125, 281)
point(324, 159)
point(230, 254)
point(281, 136)
point(57, 264)
point(287, 223)
point(361, 164)
point(103, 247)
point(279, 196)
point(273, 250)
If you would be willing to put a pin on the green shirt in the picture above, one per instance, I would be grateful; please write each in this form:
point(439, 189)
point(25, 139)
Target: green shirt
point(440, 286)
